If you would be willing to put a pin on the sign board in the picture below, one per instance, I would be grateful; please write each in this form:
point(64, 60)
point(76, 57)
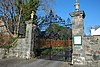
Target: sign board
point(77, 40)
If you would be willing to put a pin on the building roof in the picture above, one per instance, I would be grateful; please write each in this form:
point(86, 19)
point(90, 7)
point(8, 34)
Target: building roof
point(95, 32)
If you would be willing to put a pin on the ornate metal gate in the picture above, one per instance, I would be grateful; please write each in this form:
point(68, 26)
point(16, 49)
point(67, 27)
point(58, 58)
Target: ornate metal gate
point(55, 41)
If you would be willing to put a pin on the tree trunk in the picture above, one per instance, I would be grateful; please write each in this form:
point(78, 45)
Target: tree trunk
point(19, 21)
point(7, 27)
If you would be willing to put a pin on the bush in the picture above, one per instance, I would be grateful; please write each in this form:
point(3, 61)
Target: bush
point(6, 40)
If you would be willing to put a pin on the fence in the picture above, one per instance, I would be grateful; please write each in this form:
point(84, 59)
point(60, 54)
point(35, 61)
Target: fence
point(54, 43)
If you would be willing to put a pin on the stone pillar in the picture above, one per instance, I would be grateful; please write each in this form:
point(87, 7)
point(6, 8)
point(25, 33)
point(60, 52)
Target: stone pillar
point(24, 46)
point(28, 38)
point(78, 56)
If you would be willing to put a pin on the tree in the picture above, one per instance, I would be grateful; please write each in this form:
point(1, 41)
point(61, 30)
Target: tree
point(60, 32)
point(7, 10)
point(24, 9)
point(55, 28)
point(15, 12)
point(46, 6)
point(55, 25)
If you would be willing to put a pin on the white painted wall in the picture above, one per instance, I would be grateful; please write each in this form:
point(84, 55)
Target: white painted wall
point(95, 31)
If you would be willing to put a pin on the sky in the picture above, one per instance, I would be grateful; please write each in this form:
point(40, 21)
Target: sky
point(91, 7)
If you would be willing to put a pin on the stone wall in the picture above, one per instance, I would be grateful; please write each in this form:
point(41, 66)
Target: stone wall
point(23, 47)
point(20, 49)
point(92, 49)
point(2, 53)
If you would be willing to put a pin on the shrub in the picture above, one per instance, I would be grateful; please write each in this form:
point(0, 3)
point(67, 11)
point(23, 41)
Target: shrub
point(6, 40)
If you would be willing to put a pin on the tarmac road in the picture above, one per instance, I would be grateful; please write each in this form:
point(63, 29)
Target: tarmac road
point(17, 62)
point(32, 63)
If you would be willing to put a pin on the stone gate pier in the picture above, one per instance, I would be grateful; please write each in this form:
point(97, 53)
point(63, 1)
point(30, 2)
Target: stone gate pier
point(86, 49)
point(78, 55)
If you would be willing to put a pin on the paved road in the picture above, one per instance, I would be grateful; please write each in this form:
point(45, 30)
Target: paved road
point(32, 63)
point(16, 62)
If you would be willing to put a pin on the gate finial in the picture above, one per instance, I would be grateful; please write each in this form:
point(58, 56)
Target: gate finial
point(76, 5)
point(76, 1)
point(32, 14)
